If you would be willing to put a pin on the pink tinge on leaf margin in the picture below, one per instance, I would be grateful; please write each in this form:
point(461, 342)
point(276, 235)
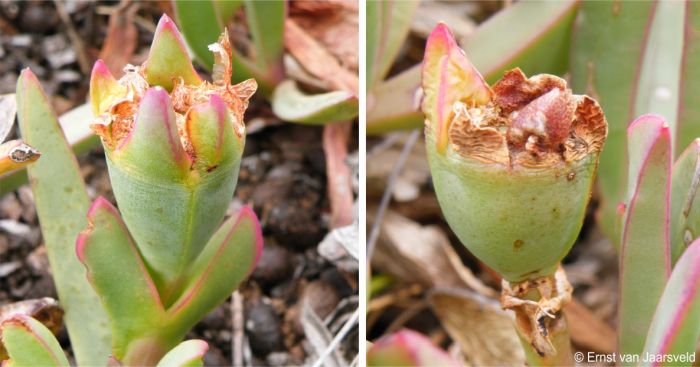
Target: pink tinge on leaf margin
point(24, 322)
point(259, 241)
point(102, 204)
point(157, 100)
point(220, 109)
point(661, 131)
point(446, 64)
point(166, 25)
point(244, 212)
point(99, 204)
point(691, 260)
point(100, 71)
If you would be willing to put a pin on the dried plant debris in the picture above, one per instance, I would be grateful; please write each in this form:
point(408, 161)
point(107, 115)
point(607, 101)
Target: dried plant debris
point(538, 320)
point(118, 108)
point(483, 331)
point(535, 122)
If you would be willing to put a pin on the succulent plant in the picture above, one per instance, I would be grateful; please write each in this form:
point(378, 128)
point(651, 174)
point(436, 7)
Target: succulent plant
point(513, 168)
point(171, 156)
point(407, 348)
point(158, 264)
point(506, 160)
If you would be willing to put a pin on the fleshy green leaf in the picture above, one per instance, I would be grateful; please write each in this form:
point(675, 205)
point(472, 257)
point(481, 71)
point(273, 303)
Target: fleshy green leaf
point(214, 142)
point(688, 125)
point(540, 45)
point(685, 209)
point(630, 74)
point(387, 27)
point(189, 353)
point(168, 58)
point(407, 348)
point(675, 329)
point(61, 202)
point(291, 104)
point(119, 275)
point(228, 258)
point(266, 26)
point(645, 258)
point(226, 9)
point(153, 149)
point(30, 343)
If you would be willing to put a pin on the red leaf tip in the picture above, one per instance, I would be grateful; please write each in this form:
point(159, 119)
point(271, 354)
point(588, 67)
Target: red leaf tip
point(100, 204)
point(441, 36)
point(165, 24)
point(100, 69)
point(28, 75)
point(648, 119)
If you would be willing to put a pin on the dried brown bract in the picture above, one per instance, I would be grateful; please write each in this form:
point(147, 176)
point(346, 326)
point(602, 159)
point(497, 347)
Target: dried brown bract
point(535, 122)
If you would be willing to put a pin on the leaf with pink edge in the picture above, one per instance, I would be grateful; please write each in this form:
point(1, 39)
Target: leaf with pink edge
point(227, 259)
point(168, 58)
point(153, 141)
point(30, 343)
point(214, 142)
point(675, 329)
point(104, 89)
point(448, 77)
point(189, 353)
point(119, 276)
point(407, 348)
point(61, 202)
point(645, 255)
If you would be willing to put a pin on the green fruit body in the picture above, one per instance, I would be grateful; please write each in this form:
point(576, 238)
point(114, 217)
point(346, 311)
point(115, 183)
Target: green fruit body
point(519, 221)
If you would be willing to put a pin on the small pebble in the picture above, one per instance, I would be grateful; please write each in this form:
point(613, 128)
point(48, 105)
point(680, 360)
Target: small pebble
point(9, 268)
point(263, 328)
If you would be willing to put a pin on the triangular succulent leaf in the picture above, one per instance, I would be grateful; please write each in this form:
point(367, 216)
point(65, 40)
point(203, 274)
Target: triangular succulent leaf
point(168, 59)
point(448, 77)
point(104, 89)
point(228, 258)
point(119, 276)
